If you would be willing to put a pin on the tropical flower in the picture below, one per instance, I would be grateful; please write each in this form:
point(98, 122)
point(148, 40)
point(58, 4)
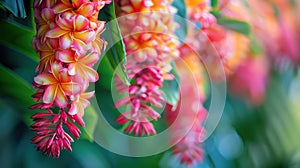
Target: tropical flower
point(231, 47)
point(47, 52)
point(51, 137)
point(73, 30)
point(144, 90)
point(189, 149)
point(150, 46)
point(80, 102)
point(58, 85)
point(252, 86)
point(80, 64)
point(68, 47)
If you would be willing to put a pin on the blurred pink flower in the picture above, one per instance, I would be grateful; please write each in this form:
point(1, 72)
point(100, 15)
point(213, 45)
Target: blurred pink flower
point(250, 79)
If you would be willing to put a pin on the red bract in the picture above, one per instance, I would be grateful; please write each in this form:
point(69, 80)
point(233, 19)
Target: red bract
point(51, 137)
point(189, 149)
point(148, 27)
point(68, 42)
point(144, 90)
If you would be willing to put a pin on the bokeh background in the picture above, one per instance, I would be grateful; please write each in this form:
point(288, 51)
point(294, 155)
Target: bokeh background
point(255, 131)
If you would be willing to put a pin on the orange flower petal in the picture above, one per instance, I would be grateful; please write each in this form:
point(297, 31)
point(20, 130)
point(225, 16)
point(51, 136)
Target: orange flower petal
point(91, 74)
point(87, 95)
point(55, 68)
point(60, 8)
point(61, 99)
point(71, 88)
point(45, 79)
point(65, 21)
point(64, 76)
point(72, 69)
point(85, 36)
point(56, 32)
point(80, 109)
point(90, 59)
point(65, 41)
point(86, 9)
point(66, 56)
point(81, 23)
point(50, 94)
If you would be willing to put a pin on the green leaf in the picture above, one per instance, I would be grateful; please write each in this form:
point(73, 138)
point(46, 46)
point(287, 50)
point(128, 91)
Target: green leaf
point(91, 118)
point(16, 7)
point(214, 4)
point(115, 51)
point(235, 25)
point(171, 88)
point(181, 19)
point(18, 38)
point(255, 48)
point(15, 88)
point(106, 73)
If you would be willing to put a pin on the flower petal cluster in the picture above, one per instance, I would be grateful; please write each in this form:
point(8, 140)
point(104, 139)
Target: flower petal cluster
point(231, 47)
point(141, 92)
point(189, 149)
point(69, 45)
point(150, 43)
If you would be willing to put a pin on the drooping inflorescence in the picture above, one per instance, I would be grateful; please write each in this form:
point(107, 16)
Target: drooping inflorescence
point(69, 45)
point(148, 28)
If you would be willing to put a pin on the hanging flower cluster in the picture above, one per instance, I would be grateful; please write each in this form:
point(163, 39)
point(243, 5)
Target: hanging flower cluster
point(148, 28)
point(277, 30)
point(142, 91)
point(232, 47)
point(69, 44)
point(189, 149)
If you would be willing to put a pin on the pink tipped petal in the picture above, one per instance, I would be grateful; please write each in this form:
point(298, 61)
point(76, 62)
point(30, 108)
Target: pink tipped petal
point(78, 3)
point(50, 94)
point(73, 110)
point(64, 76)
point(55, 68)
point(81, 23)
point(86, 9)
point(48, 14)
point(72, 69)
point(90, 59)
point(56, 32)
point(65, 41)
point(66, 56)
point(85, 36)
point(91, 74)
point(61, 99)
point(71, 88)
point(45, 79)
point(88, 95)
point(80, 109)
point(65, 21)
point(60, 8)
point(85, 103)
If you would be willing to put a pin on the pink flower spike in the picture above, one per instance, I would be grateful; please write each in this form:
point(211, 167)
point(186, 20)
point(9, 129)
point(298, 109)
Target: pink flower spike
point(69, 45)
